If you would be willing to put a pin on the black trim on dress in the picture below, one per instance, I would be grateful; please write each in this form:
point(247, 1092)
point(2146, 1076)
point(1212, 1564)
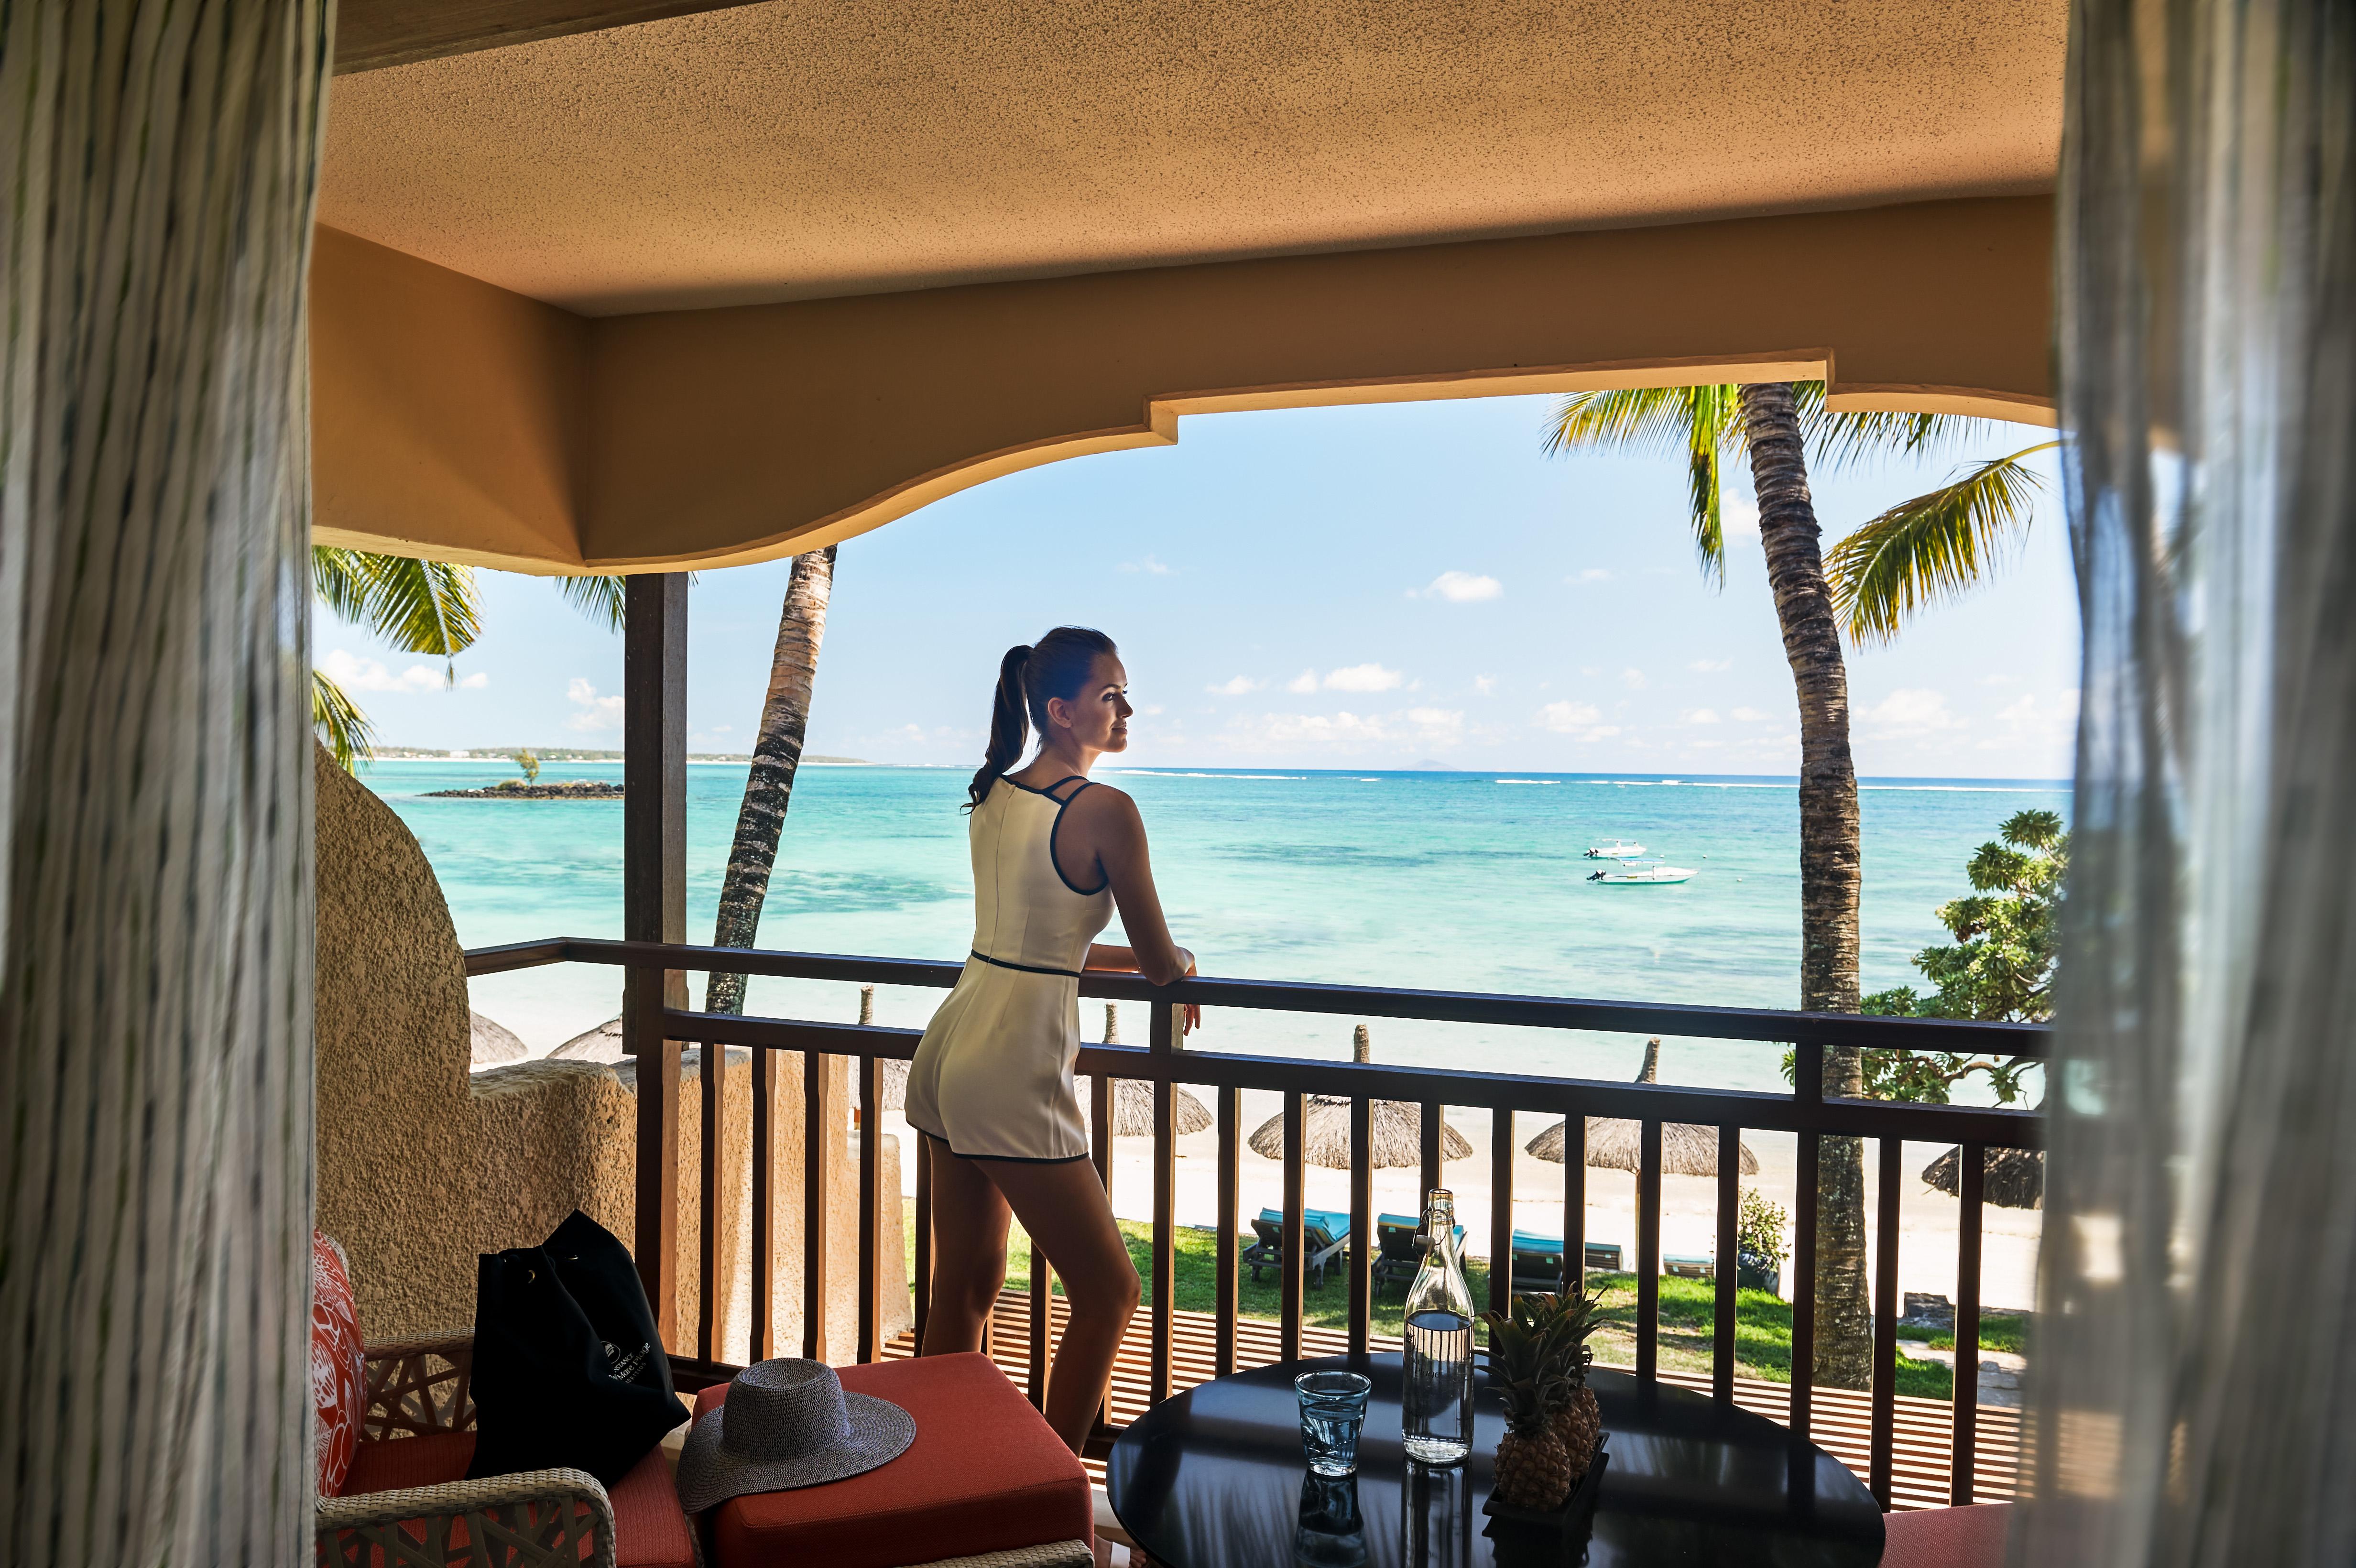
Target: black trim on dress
point(1007, 1158)
point(1062, 807)
point(1026, 968)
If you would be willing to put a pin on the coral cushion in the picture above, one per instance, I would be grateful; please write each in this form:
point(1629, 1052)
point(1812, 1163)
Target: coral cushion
point(649, 1529)
point(985, 1473)
point(1969, 1537)
point(339, 1364)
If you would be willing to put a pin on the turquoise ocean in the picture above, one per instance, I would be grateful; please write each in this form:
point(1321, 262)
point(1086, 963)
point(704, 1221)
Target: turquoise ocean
point(1450, 880)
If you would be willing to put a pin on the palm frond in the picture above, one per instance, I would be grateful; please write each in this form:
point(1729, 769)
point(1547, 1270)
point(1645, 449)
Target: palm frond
point(599, 598)
point(1858, 439)
point(1703, 424)
point(339, 722)
point(1930, 549)
point(1642, 420)
point(419, 606)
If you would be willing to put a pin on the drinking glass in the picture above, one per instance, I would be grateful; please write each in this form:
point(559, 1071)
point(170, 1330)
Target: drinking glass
point(1332, 1409)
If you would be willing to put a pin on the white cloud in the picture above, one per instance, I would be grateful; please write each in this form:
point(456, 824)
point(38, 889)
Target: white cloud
point(597, 713)
point(1486, 685)
point(1590, 574)
point(369, 674)
point(1361, 678)
point(1909, 712)
point(1632, 678)
point(1702, 715)
point(1581, 720)
point(474, 682)
point(2050, 723)
point(1147, 565)
point(1236, 687)
point(1425, 728)
point(1710, 666)
point(1738, 515)
point(722, 729)
point(1747, 716)
point(1150, 710)
point(1463, 588)
point(1303, 684)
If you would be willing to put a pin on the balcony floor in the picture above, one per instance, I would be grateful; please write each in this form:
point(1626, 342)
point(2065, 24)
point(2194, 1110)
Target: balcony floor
point(1843, 1420)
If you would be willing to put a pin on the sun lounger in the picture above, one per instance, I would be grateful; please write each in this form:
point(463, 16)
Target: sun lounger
point(1323, 1237)
point(1537, 1261)
point(1399, 1249)
point(1689, 1267)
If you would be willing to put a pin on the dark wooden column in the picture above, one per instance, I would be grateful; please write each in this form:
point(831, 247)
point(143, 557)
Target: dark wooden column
point(654, 908)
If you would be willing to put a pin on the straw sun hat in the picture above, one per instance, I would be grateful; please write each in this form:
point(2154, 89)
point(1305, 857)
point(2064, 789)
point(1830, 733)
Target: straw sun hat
point(788, 1423)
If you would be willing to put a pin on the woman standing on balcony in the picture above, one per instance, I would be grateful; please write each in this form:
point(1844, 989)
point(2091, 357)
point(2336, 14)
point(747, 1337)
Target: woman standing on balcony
point(991, 1084)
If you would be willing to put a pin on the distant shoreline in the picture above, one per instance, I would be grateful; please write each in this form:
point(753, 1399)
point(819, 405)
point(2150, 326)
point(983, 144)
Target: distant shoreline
point(1278, 773)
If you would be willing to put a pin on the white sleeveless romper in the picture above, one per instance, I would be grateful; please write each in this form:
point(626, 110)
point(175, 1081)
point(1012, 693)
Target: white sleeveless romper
point(993, 1077)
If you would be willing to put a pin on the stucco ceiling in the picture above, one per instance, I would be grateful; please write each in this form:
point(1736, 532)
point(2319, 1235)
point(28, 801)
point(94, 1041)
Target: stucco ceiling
point(804, 148)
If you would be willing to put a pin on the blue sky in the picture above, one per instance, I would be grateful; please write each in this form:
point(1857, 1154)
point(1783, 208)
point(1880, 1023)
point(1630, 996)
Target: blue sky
point(1362, 587)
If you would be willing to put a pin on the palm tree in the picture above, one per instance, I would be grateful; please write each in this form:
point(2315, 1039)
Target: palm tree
point(420, 607)
point(777, 754)
point(1706, 425)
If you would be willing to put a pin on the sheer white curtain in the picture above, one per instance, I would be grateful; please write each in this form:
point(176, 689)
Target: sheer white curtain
point(2195, 1399)
point(155, 1167)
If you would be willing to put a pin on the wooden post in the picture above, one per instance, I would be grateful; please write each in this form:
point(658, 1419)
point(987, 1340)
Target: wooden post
point(654, 908)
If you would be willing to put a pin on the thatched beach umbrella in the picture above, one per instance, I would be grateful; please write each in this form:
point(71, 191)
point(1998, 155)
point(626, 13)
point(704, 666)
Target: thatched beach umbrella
point(493, 1043)
point(1132, 1098)
point(1397, 1127)
point(1615, 1143)
point(2013, 1178)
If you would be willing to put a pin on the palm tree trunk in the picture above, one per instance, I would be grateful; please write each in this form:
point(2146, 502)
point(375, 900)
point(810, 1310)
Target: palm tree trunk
point(769, 787)
point(1829, 860)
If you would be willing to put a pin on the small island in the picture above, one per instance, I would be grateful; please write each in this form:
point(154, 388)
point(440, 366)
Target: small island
point(518, 789)
point(528, 787)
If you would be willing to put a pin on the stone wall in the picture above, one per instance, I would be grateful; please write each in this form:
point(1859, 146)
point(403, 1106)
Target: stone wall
point(423, 1165)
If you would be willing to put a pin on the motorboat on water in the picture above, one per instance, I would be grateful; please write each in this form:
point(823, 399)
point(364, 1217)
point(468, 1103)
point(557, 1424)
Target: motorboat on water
point(1614, 849)
point(1642, 873)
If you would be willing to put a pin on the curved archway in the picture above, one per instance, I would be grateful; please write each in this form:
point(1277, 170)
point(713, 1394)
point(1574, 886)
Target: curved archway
point(457, 420)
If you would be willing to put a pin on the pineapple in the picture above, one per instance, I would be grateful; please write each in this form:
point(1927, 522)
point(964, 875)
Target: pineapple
point(1534, 1468)
point(1576, 1419)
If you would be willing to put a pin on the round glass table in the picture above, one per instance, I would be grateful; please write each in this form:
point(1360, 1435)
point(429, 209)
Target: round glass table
point(1215, 1475)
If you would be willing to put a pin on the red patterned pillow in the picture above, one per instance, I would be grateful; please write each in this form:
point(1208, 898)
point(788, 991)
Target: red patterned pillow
point(337, 1363)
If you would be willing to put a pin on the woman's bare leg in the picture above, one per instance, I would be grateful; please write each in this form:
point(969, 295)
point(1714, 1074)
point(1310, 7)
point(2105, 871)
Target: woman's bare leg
point(969, 1253)
point(1064, 1208)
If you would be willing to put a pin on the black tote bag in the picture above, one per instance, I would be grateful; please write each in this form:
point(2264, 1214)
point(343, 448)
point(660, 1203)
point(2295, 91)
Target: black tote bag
point(569, 1372)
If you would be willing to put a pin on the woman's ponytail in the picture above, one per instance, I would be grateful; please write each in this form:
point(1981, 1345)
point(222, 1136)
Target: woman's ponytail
point(1009, 727)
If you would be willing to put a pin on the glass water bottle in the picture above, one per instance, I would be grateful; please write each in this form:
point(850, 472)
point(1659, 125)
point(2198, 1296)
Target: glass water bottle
point(1436, 1401)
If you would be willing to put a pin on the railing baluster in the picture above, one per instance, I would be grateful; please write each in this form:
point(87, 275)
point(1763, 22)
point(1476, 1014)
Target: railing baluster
point(712, 1078)
point(1362, 1220)
point(1807, 1095)
point(1289, 1272)
point(654, 910)
point(1574, 1200)
point(1432, 1128)
point(1727, 1268)
point(1100, 1153)
point(1648, 1249)
point(1231, 1114)
point(1043, 1322)
point(871, 1212)
point(763, 1344)
point(1501, 1209)
point(818, 1115)
point(1162, 1041)
point(1885, 1316)
point(1804, 1285)
point(1964, 1457)
point(924, 1237)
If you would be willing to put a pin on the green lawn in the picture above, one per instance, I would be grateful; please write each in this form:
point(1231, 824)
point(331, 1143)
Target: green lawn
point(1763, 1327)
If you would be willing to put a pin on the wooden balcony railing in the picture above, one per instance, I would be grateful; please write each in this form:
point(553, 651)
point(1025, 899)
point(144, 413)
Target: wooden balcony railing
point(653, 1034)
